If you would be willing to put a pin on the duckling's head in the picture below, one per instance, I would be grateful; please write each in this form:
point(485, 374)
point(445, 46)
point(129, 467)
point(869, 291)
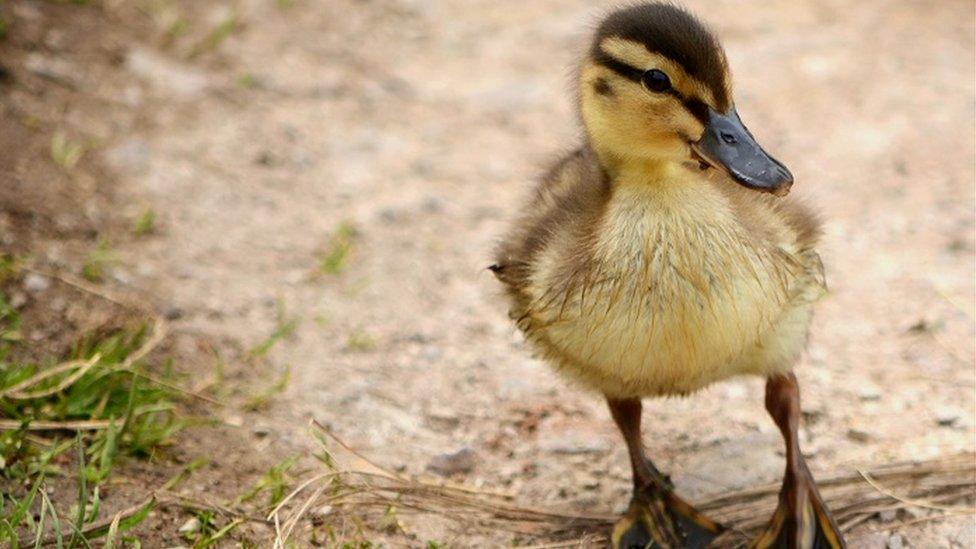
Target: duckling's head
point(655, 87)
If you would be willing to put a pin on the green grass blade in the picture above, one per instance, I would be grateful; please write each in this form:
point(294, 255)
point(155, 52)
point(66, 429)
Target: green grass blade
point(82, 492)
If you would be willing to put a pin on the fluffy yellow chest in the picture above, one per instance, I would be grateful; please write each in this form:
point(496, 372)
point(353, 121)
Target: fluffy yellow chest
point(676, 295)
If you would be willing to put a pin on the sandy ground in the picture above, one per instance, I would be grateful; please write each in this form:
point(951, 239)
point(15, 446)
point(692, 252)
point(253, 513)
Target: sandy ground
point(422, 125)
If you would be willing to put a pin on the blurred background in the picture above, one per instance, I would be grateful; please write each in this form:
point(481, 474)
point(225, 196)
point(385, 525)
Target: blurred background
point(220, 220)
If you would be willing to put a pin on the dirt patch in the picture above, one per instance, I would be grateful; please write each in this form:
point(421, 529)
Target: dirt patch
point(63, 216)
point(55, 195)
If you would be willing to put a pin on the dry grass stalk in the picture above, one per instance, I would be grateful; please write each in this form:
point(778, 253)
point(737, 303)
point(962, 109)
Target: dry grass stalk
point(90, 288)
point(159, 331)
point(943, 487)
point(17, 392)
point(156, 500)
point(41, 425)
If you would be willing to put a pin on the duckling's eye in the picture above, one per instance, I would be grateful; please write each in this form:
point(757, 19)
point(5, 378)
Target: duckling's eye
point(656, 81)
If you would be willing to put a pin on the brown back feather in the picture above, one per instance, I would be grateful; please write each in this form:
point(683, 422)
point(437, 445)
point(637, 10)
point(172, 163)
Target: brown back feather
point(570, 197)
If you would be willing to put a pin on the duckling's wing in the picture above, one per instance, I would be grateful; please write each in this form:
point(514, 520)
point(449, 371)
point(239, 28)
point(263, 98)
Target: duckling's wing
point(804, 231)
point(812, 283)
point(565, 203)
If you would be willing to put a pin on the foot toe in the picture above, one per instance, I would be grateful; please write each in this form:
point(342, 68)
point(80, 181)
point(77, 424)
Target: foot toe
point(665, 522)
point(809, 527)
point(631, 535)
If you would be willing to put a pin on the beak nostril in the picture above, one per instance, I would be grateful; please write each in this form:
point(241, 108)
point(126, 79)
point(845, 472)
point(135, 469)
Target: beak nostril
point(729, 138)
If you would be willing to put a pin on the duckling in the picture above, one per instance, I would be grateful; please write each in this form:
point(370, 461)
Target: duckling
point(661, 256)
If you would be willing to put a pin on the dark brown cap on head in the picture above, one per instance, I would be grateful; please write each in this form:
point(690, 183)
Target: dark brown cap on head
point(672, 32)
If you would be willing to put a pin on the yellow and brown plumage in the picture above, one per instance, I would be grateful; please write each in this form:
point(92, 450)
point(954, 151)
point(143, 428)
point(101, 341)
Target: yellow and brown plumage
point(661, 256)
point(647, 290)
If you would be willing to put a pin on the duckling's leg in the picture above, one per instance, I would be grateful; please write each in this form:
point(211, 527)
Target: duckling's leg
point(801, 521)
point(657, 518)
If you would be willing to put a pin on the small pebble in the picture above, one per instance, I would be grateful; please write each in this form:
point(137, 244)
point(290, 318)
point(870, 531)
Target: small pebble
point(574, 446)
point(265, 158)
point(445, 417)
point(54, 69)
point(946, 417)
point(432, 205)
point(869, 393)
point(432, 353)
point(590, 484)
point(18, 300)
point(35, 283)
point(391, 215)
point(462, 461)
point(190, 526)
point(896, 542)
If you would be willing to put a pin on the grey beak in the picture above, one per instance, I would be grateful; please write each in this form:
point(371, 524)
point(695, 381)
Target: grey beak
point(727, 144)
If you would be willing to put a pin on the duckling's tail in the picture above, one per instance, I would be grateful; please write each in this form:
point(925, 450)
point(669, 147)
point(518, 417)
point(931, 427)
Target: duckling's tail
point(502, 272)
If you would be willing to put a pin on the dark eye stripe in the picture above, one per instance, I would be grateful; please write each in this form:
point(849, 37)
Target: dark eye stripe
point(695, 106)
point(623, 69)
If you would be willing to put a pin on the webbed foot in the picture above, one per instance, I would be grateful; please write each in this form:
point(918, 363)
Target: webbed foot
point(662, 520)
point(801, 520)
